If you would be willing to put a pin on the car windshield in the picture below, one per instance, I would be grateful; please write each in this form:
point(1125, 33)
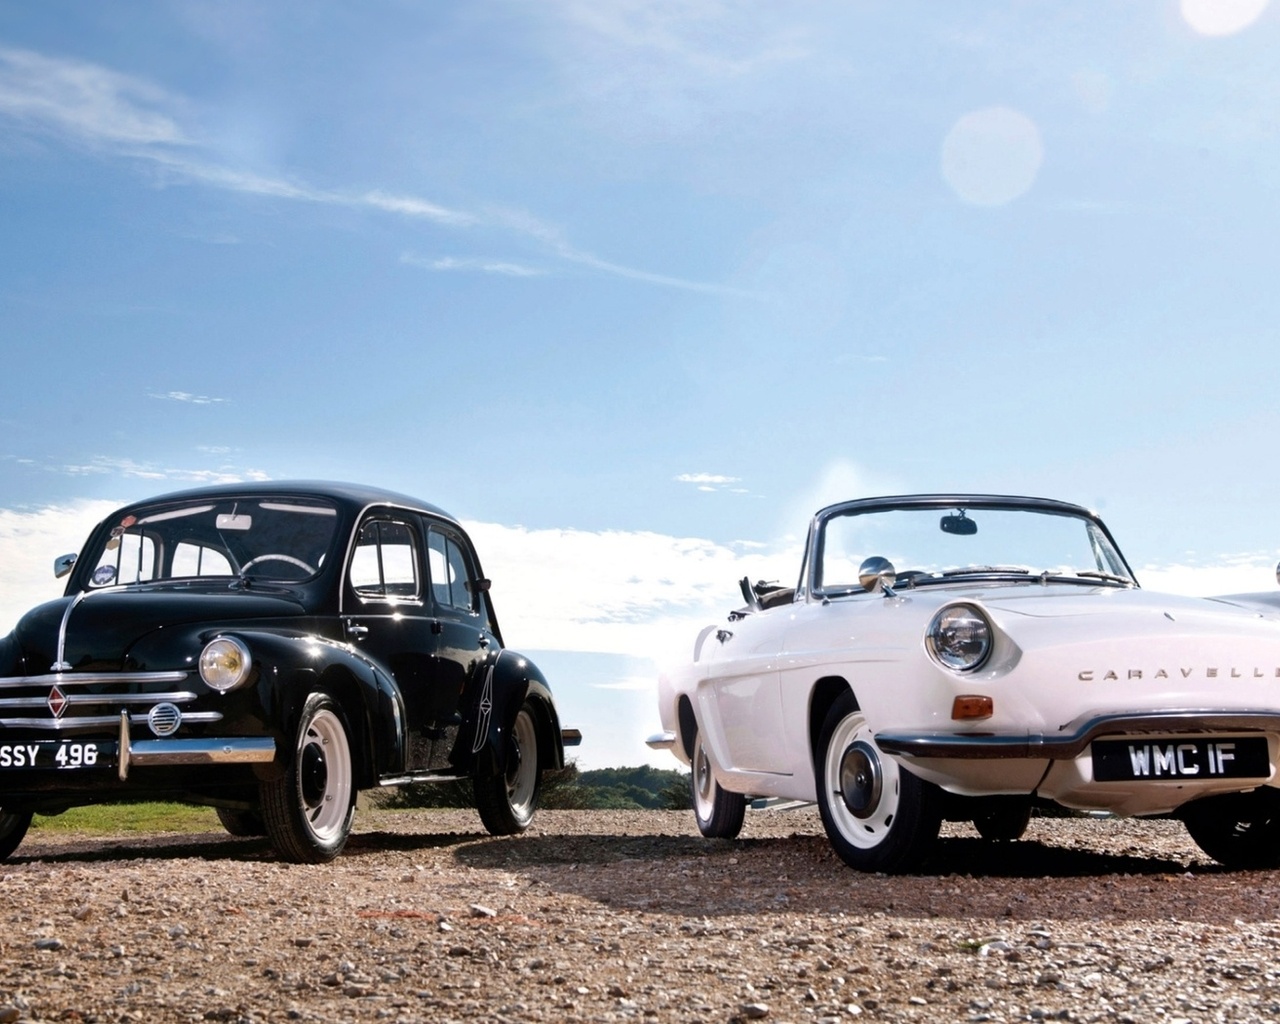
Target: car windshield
point(936, 545)
point(264, 538)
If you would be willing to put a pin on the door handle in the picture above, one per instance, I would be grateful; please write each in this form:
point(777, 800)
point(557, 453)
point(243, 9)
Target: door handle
point(483, 641)
point(357, 632)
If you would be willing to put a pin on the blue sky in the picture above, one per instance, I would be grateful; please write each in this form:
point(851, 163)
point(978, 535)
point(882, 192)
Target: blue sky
point(633, 287)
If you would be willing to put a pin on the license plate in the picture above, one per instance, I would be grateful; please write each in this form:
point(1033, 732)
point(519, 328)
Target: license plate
point(60, 754)
point(1181, 760)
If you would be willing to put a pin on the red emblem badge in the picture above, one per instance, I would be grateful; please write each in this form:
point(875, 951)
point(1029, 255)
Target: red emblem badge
point(57, 702)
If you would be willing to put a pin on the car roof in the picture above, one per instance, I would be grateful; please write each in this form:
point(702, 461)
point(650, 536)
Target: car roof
point(352, 497)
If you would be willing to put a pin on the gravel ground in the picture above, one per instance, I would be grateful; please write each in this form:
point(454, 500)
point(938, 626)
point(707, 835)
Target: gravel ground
point(631, 916)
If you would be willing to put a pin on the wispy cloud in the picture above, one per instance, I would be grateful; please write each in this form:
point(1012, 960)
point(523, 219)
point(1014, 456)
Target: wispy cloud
point(711, 482)
point(84, 104)
point(130, 469)
point(477, 265)
point(186, 396)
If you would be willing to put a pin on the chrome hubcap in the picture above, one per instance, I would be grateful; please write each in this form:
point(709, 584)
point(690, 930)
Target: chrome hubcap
point(861, 779)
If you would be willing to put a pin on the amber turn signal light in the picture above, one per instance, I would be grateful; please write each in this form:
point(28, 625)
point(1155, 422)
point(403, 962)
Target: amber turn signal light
point(969, 706)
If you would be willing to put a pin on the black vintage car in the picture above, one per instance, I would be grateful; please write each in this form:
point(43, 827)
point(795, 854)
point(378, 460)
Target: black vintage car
point(270, 649)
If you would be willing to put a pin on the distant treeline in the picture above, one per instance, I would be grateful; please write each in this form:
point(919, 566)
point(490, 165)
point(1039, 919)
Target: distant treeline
point(640, 788)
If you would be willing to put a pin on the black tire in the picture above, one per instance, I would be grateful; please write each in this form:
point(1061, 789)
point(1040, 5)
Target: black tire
point(1003, 819)
point(1239, 830)
point(13, 828)
point(878, 816)
point(508, 798)
point(719, 813)
point(244, 824)
point(307, 812)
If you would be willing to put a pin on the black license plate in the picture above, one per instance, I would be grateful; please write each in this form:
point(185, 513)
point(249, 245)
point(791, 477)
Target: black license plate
point(70, 755)
point(1180, 760)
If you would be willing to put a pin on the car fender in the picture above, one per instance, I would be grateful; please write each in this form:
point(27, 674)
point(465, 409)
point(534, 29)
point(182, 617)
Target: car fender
point(506, 683)
point(292, 666)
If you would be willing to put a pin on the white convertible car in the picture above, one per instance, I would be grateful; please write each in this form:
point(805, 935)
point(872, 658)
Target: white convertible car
point(965, 657)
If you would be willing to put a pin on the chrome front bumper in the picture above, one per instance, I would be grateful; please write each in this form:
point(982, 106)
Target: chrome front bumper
point(1075, 737)
point(222, 750)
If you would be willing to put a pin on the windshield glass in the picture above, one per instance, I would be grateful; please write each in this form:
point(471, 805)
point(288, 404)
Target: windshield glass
point(935, 545)
point(265, 538)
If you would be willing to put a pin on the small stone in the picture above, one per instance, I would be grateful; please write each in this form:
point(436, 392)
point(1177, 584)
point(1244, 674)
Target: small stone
point(9, 1014)
point(49, 944)
point(755, 1011)
point(480, 910)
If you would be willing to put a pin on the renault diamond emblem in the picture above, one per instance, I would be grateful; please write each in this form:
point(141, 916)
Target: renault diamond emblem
point(57, 702)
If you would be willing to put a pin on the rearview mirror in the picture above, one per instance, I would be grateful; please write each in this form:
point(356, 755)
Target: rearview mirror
point(62, 565)
point(960, 525)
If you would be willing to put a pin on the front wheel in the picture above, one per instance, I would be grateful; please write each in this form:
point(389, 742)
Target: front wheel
point(719, 812)
point(507, 799)
point(878, 816)
point(1002, 819)
point(308, 811)
point(13, 827)
point(1239, 830)
point(242, 824)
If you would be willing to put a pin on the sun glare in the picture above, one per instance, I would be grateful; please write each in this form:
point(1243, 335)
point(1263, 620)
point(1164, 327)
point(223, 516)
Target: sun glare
point(1222, 17)
point(992, 156)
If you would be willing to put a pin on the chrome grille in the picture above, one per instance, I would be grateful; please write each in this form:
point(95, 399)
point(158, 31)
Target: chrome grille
point(16, 712)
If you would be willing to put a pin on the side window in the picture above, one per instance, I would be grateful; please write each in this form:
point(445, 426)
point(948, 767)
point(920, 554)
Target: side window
point(450, 573)
point(129, 558)
point(385, 561)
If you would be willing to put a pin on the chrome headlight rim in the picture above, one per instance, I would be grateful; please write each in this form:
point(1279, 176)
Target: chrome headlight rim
point(960, 638)
point(225, 663)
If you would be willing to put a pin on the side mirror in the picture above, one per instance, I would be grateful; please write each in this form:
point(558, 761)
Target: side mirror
point(62, 565)
point(1278, 572)
point(960, 525)
point(877, 573)
point(480, 586)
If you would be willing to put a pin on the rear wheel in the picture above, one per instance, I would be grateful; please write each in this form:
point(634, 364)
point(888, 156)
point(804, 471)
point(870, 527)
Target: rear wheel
point(13, 827)
point(1002, 819)
point(308, 811)
point(241, 823)
point(1240, 830)
point(719, 813)
point(508, 798)
point(878, 816)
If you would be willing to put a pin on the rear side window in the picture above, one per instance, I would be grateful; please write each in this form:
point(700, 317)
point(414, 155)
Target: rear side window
point(450, 571)
point(385, 561)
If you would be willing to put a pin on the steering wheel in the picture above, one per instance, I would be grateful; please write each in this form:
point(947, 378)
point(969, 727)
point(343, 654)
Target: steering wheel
point(271, 557)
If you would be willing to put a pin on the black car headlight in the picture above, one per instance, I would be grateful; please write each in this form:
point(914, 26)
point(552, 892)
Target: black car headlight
point(225, 663)
point(959, 638)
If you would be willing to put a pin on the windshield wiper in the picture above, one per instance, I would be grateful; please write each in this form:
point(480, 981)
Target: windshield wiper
point(987, 570)
point(1106, 577)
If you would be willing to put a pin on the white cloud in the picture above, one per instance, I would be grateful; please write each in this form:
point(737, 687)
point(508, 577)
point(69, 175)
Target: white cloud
point(186, 396)
point(85, 102)
point(107, 466)
point(30, 541)
point(479, 265)
point(712, 479)
point(634, 593)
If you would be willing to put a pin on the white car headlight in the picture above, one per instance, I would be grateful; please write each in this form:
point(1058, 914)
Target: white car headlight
point(225, 663)
point(959, 638)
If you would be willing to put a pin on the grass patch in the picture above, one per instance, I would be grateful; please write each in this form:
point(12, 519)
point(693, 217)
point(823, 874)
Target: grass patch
point(140, 817)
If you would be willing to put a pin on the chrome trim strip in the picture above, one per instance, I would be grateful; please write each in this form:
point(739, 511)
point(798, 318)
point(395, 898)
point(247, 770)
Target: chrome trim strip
point(661, 741)
point(89, 678)
point(173, 697)
point(1075, 738)
point(92, 721)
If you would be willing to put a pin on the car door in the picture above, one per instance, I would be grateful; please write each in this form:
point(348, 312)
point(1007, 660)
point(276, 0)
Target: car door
point(389, 616)
point(465, 632)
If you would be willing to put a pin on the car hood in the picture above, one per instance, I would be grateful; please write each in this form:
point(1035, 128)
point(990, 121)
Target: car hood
point(103, 626)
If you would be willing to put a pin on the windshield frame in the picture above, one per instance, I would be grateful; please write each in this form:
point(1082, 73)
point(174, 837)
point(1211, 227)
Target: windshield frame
point(810, 584)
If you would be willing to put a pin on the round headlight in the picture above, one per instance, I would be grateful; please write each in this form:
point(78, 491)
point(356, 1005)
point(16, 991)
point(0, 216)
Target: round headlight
point(225, 663)
point(959, 638)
